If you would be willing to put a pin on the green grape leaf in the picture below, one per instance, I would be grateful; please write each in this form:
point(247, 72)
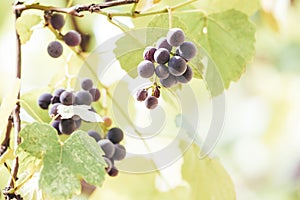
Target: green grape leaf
point(201, 179)
point(29, 103)
point(65, 164)
point(24, 26)
point(207, 177)
point(245, 6)
point(8, 104)
point(228, 38)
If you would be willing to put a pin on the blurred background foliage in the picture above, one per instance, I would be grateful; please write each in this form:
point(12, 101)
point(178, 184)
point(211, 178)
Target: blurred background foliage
point(260, 146)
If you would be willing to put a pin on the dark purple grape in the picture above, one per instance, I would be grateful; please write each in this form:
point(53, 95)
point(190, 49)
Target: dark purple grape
point(156, 92)
point(108, 147)
point(55, 124)
point(187, 50)
point(175, 37)
point(187, 76)
point(56, 95)
point(177, 65)
point(115, 135)
point(72, 38)
point(57, 21)
point(95, 93)
point(113, 172)
point(145, 69)
point(161, 56)
point(95, 135)
point(148, 53)
point(169, 82)
point(141, 94)
point(67, 126)
point(163, 43)
point(67, 98)
point(53, 110)
point(55, 49)
point(77, 120)
point(120, 152)
point(86, 84)
point(83, 98)
point(162, 71)
point(44, 100)
point(151, 102)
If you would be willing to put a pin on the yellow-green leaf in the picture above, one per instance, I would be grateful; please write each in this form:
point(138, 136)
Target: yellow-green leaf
point(24, 26)
point(8, 104)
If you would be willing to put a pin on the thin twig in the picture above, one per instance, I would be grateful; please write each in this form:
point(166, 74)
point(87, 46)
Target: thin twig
point(5, 142)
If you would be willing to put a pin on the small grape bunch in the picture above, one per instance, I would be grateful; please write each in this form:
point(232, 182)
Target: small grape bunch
point(151, 101)
point(171, 67)
point(86, 96)
point(113, 150)
point(71, 38)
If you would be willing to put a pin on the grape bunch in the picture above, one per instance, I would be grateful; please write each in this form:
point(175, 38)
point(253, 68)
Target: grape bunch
point(86, 96)
point(113, 150)
point(168, 61)
point(71, 38)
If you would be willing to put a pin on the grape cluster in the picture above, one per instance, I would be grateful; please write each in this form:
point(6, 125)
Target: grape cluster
point(171, 67)
point(86, 96)
point(71, 38)
point(113, 150)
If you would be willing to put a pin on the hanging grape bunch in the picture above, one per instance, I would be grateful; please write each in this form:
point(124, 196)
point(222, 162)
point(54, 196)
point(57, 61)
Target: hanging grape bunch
point(113, 150)
point(86, 96)
point(171, 67)
point(71, 38)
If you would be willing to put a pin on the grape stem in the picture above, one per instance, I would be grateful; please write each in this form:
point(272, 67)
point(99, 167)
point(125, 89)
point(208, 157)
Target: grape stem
point(16, 112)
point(6, 140)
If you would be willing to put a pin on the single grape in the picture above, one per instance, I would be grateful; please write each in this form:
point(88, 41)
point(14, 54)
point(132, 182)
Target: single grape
point(175, 37)
point(67, 126)
point(108, 147)
point(156, 92)
point(55, 49)
point(113, 172)
point(53, 110)
point(44, 100)
point(187, 76)
point(55, 124)
point(187, 50)
point(163, 43)
point(115, 135)
point(67, 98)
point(57, 21)
point(95, 93)
point(169, 82)
point(151, 102)
point(108, 163)
point(72, 38)
point(148, 53)
point(120, 152)
point(77, 120)
point(145, 69)
point(95, 135)
point(56, 95)
point(141, 94)
point(177, 65)
point(162, 71)
point(83, 98)
point(161, 56)
point(86, 84)
point(107, 121)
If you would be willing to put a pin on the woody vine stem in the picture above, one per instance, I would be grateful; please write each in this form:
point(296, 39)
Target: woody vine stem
point(14, 120)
